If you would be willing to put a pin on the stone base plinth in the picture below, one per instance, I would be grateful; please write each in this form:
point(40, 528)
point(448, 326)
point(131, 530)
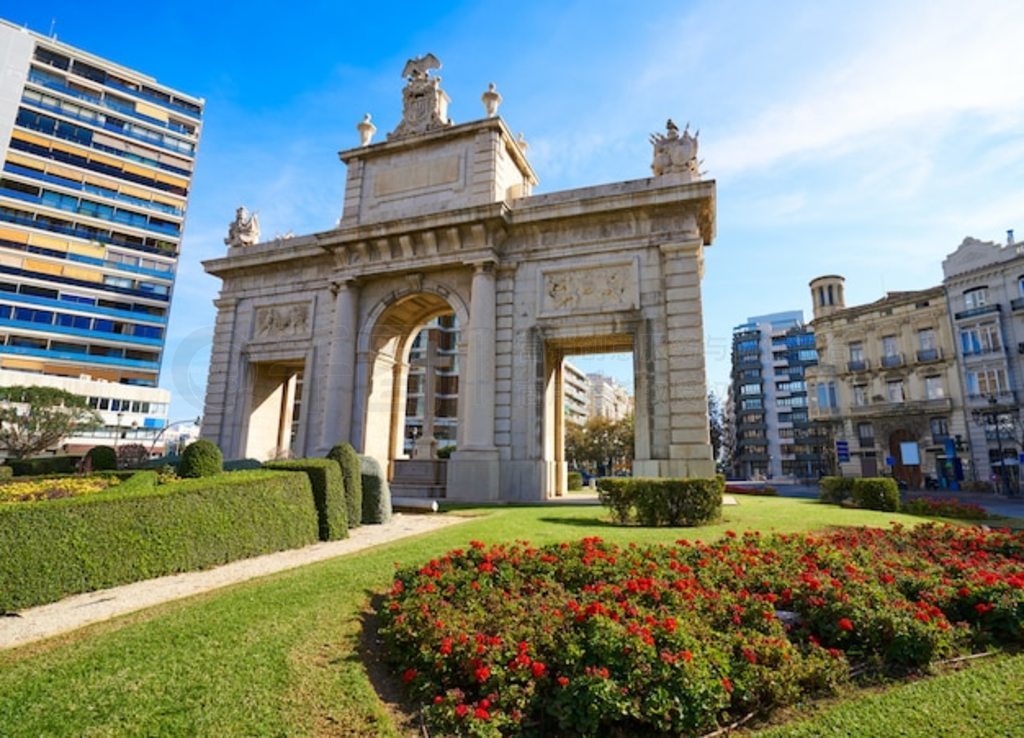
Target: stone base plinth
point(474, 475)
point(692, 468)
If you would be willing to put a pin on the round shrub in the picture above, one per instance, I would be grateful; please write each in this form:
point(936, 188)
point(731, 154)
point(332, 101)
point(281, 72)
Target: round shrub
point(574, 480)
point(102, 458)
point(132, 456)
point(6, 472)
point(835, 490)
point(348, 459)
point(877, 493)
point(201, 459)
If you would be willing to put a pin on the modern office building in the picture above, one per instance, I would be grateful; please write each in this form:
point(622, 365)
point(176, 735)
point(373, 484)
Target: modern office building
point(97, 165)
point(984, 284)
point(773, 435)
point(432, 388)
point(575, 394)
point(887, 382)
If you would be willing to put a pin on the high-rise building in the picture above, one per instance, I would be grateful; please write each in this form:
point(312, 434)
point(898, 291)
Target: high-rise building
point(575, 394)
point(773, 435)
point(97, 165)
point(432, 388)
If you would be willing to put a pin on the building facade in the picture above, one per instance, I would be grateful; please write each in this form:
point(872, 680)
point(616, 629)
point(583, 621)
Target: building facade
point(607, 398)
point(575, 394)
point(97, 166)
point(984, 284)
point(772, 432)
point(887, 383)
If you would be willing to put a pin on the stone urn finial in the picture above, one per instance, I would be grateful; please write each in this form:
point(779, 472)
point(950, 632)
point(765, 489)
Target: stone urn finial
point(366, 130)
point(521, 142)
point(491, 99)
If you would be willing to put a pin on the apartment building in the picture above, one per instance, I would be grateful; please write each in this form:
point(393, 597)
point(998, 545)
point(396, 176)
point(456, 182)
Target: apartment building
point(773, 434)
point(97, 166)
point(608, 398)
point(575, 394)
point(887, 382)
point(984, 284)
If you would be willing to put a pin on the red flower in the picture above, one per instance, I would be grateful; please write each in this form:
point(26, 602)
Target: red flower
point(727, 683)
point(482, 674)
point(486, 566)
point(845, 624)
point(563, 681)
point(538, 669)
point(749, 655)
point(409, 675)
point(461, 710)
point(984, 607)
point(481, 714)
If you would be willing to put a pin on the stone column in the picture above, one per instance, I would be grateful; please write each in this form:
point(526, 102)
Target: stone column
point(341, 366)
point(473, 470)
point(479, 371)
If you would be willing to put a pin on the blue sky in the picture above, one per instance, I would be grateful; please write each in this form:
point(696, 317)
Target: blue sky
point(865, 139)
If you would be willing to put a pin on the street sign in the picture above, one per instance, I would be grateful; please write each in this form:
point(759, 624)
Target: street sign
point(843, 450)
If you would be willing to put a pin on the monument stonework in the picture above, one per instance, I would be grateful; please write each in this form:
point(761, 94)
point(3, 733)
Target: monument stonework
point(313, 333)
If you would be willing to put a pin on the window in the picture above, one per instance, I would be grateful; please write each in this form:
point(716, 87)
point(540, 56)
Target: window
point(860, 395)
point(1020, 285)
point(752, 404)
point(933, 388)
point(940, 429)
point(750, 389)
point(827, 395)
point(980, 339)
point(890, 346)
point(856, 352)
point(976, 298)
point(894, 390)
point(988, 381)
point(866, 432)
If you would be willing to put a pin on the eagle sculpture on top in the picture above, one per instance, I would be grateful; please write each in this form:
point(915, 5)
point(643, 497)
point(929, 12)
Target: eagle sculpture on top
point(419, 68)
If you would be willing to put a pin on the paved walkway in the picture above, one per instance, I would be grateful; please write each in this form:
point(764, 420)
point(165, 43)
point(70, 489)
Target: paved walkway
point(75, 612)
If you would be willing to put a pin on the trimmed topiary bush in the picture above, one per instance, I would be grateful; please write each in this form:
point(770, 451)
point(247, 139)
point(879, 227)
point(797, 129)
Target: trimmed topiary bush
point(44, 465)
point(328, 493)
point(242, 465)
point(201, 458)
point(6, 472)
point(102, 458)
point(877, 493)
point(835, 490)
point(574, 480)
point(348, 460)
point(139, 530)
point(662, 502)
point(376, 492)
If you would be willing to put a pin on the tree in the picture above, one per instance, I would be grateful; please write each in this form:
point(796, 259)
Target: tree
point(715, 425)
point(601, 445)
point(33, 419)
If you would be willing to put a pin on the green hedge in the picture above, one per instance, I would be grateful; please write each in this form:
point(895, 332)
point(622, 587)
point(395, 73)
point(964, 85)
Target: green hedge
point(44, 465)
point(376, 491)
point(328, 492)
point(242, 464)
point(574, 480)
point(201, 458)
point(877, 493)
point(351, 471)
point(662, 502)
point(138, 530)
point(835, 490)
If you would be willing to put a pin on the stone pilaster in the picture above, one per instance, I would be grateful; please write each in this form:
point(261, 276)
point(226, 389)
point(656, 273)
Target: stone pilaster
point(336, 426)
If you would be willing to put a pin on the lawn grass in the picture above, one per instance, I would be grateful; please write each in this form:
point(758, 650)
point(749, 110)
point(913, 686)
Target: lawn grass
point(281, 655)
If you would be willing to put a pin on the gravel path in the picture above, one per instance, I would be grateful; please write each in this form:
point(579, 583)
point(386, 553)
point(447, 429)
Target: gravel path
point(74, 612)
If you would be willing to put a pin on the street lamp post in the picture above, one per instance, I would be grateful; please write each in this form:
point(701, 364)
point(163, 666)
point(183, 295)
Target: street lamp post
point(197, 421)
point(992, 401)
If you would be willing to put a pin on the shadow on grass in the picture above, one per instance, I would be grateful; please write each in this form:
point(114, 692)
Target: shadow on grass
point(581, 522)
point(386, 684)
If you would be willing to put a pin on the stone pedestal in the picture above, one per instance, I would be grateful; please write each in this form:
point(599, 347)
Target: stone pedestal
point(474, 475)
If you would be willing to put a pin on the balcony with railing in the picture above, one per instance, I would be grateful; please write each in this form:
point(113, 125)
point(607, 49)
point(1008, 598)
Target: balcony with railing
point(926, 356)
point(975, 312)
point(891, 361)
point(858, 365)
point(881, 406)
point(1016, 304)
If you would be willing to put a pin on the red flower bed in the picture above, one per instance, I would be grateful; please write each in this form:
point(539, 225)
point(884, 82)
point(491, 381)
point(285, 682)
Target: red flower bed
point(588, 638)
point(944, 508)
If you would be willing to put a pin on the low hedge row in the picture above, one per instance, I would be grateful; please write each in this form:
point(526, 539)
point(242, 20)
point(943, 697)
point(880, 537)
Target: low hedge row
point(44, 465)
point(328, 493)
point(139, 530)
point(871, 493)
point(835, 490)
point(662, 502)
point(574, 481)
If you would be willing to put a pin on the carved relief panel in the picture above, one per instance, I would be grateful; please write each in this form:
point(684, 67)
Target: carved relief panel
point(601, 288)
point(272, 322)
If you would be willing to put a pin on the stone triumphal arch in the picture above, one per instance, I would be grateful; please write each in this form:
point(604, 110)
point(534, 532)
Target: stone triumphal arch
point(314, 333)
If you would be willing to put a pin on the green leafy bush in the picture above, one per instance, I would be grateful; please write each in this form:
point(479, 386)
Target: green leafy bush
point(376, 492)
point(242, 465)
point(44, 465)
point(328, 493)
point(132, 456)
point(662, 502)
point(574, 480)
point(348, 460)
point(6, 472)
point(877, 493)
point(102, 458)
point(138, 530)
point(835, 490)
point(201, 458)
